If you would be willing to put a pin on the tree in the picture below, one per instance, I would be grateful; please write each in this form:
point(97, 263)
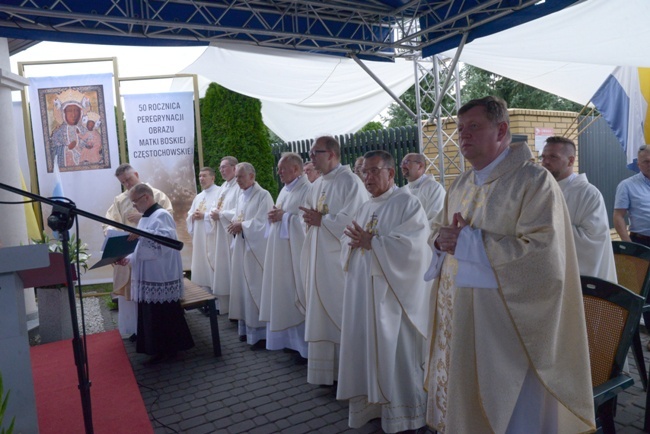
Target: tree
point(478, 83)
point(231, 124)
point(371, 126)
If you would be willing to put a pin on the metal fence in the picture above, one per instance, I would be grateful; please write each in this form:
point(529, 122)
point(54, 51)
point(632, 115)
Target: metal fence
point(601, 157)
point(398, 141)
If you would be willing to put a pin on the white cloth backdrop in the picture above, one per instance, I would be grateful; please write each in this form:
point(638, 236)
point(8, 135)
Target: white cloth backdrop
point(91, 190)
point(303, 95)
point(571, 52)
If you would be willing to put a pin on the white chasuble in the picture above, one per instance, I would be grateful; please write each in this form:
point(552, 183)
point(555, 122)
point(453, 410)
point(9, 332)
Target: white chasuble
point(386, 314)
point(431, 195)
point(203, 242)
point(590, 227)
point(225, 203)
point(249, 248)
point(283, 294)
point(488, 342)
point(337, 195)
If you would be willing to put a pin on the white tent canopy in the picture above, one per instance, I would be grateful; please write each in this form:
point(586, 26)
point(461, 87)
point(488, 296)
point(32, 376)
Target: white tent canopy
point(571, 52)
point(303, 95)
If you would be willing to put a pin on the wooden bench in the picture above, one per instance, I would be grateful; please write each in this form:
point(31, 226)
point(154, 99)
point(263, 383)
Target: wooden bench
point(196, 297)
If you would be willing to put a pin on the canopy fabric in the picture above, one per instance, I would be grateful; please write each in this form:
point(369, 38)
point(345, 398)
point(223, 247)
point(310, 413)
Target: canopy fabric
point(303, 95)
point(571, 52)
point(380, 29)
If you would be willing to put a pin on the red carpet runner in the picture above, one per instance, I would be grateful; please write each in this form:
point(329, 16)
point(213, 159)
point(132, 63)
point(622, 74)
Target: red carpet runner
point(117, 405)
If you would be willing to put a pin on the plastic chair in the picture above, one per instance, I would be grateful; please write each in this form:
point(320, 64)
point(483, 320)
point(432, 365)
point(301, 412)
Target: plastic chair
point(633, 272)
point(612, 313)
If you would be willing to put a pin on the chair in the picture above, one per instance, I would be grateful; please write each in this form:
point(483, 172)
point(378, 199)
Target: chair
point(612, 313)
point(633, 271)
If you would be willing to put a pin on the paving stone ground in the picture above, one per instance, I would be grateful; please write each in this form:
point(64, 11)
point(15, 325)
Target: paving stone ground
point(264, 392)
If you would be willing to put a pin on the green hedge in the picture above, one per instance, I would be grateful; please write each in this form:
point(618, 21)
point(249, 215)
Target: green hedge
point(231, 124)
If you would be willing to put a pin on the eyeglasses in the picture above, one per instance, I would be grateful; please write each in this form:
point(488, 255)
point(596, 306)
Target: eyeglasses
point(643, 147)
point(407, 162)
point(374, 171)
point(313, 152)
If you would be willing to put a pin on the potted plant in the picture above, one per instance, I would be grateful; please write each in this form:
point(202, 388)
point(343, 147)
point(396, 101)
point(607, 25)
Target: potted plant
point(4, 399)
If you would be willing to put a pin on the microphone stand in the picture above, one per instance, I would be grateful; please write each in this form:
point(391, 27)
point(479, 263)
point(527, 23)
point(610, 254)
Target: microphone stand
point(61, 219)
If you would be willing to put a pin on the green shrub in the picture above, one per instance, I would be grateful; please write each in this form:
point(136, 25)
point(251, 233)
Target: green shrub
point(231, 124)
point(4, 399)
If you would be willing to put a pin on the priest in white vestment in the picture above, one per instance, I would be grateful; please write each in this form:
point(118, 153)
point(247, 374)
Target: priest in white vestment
point(311, 172)
point(587, 211)
point(430, 192)
point(198, 220)
point(248, 249)
point(123, 211)
point(385, 304)
point(221, 213)
point(157, 282)
point(283, 295)
point(509, 349)
point(333, 200)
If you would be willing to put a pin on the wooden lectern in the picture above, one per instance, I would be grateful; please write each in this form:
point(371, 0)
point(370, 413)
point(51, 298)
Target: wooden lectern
point(15, 363)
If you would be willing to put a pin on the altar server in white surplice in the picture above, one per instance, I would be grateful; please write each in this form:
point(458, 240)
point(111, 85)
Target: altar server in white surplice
point(422, 186)
point(221, 213)
point(157, 282)
point(248, 249)
point(586, 208)
point(198, 220)
point(123, 211)
point(283, 294)
point(385, 304)
point(333, 200)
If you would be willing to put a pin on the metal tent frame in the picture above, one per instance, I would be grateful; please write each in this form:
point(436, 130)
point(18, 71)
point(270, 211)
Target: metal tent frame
point(368, 30)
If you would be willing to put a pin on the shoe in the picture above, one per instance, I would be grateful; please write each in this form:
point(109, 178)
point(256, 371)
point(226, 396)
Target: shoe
point(242, 338)
point(133, 338)
point(289, 351)
point(259, 345)
point(154, 360)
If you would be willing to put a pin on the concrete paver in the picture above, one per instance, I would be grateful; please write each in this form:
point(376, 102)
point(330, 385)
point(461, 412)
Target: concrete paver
point(264, 392)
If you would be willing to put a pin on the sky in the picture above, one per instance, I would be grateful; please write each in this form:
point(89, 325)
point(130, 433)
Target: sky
point(132, 62)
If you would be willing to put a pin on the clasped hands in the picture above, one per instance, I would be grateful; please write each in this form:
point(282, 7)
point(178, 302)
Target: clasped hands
point(358, 236)
point(235, 228)
point(448, 235)
point(198, 215)
point(275, 215)
point(311, 216)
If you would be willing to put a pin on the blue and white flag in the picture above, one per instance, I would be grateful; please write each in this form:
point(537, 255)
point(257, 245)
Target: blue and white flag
point(623, 101)
point(57, 191)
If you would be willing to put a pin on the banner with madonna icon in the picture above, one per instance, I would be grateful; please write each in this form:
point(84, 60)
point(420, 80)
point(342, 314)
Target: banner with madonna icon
point(74, 129)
